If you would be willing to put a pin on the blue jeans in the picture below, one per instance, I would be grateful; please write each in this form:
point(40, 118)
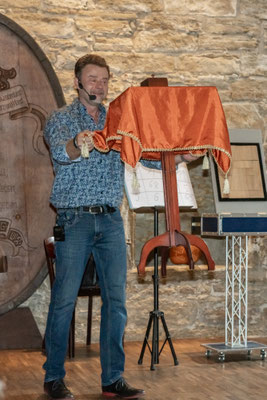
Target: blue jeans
point(102, 235)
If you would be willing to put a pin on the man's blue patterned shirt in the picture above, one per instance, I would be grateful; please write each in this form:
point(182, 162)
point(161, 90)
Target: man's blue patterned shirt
point(83, 182)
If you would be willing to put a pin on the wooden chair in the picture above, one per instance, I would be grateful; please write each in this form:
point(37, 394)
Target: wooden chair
point(89, 287)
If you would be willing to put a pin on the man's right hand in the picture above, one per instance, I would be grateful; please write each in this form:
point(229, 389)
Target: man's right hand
point(87, 137)
point(74, 146)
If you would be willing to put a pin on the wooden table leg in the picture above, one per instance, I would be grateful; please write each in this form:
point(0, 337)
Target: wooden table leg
point(173, 236)
point(163, 241)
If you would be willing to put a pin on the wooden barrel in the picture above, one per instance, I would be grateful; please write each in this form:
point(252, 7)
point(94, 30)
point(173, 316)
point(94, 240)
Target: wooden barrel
point(29, 91)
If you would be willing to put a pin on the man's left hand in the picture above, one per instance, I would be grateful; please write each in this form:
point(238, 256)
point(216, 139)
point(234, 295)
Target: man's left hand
point(187, 158)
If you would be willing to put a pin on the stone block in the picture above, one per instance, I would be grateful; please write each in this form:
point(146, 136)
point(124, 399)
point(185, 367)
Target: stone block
point(248, 88)
point(207, 64)
point(103, 43)
point(99, 26)
point(246, 7)
point(69, 4)
point(242, 115)
point(164, 41)
point(210, 7)
point(22, 4)
point(131, 5)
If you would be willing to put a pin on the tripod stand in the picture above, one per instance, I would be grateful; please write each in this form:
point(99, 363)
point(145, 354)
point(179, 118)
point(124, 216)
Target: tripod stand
point(155, 316)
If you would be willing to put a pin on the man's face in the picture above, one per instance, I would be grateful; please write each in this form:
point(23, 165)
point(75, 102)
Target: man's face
point(95, 81)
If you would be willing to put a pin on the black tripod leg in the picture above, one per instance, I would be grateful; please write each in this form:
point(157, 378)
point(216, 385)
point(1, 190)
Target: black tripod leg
point(168, 337)
point(145, 343)
point(155, 342)
point(155, 315)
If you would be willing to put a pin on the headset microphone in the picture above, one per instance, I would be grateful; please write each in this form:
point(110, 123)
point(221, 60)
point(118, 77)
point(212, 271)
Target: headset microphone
point(91, 96)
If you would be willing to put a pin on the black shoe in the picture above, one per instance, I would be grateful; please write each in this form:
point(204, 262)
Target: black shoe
point(57, 390)
point(122, 390)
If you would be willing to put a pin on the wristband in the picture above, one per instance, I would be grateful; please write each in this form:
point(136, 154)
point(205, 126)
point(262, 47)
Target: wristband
point(75, 143)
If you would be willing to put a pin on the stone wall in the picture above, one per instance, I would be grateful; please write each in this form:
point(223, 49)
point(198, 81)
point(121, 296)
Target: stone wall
point(199, 42)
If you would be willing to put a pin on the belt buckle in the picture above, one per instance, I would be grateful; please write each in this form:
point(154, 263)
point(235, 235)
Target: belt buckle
point(100, 210)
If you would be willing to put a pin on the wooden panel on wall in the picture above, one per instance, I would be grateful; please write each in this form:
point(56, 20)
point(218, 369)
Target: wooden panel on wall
point(29, 91)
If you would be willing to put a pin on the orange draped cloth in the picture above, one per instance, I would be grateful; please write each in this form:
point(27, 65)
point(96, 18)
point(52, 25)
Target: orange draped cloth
point(144, 121)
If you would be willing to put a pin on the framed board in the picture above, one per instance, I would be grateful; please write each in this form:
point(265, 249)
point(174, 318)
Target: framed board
point(247, 176)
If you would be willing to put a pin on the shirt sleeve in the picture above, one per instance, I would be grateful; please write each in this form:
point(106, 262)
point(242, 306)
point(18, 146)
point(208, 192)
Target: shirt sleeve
point(57, 134)
point(151, 164)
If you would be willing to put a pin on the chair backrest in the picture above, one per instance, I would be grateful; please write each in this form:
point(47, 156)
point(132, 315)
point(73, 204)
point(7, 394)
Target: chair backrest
point(89, 277)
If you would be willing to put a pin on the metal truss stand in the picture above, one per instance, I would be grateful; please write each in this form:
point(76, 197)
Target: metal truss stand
point(155, 316)
point(236, 302)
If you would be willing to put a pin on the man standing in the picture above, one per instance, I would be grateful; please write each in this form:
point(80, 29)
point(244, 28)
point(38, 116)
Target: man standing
point(87, 193)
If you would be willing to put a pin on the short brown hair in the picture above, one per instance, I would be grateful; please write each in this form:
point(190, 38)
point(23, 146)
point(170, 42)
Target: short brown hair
point(90, 59)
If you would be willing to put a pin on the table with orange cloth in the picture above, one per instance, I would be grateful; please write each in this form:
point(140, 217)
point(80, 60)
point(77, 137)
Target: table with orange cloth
point(142, 122)
point(157, 123)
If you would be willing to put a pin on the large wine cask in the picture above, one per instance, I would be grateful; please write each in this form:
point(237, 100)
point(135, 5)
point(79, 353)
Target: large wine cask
point(29, 91)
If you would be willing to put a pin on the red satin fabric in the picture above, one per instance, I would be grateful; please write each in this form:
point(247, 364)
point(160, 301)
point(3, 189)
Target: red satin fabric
point(144, 121)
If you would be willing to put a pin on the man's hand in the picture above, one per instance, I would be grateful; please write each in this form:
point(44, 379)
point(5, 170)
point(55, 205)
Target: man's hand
point(74, 146)
point(85, 137)
point(187, 158)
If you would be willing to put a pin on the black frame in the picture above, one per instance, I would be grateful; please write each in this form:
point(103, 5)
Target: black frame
point(225, 199)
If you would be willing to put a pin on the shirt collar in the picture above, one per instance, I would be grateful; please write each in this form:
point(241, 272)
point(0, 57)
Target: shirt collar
point(83, 112)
